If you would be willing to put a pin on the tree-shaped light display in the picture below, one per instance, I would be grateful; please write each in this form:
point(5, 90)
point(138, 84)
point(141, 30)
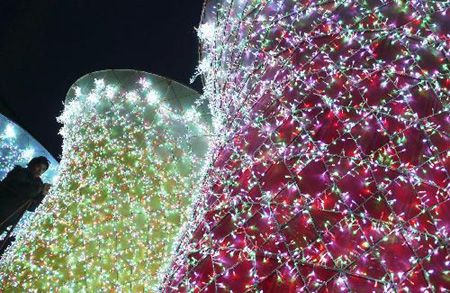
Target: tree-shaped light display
point(332, 174)
point(133, 149)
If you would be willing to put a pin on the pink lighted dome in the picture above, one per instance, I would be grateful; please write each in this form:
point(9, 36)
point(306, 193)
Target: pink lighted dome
point(332, 173)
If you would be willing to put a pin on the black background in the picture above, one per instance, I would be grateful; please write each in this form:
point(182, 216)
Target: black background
point(46, 45)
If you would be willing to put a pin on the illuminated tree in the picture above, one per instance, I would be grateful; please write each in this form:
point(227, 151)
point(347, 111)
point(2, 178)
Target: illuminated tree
point(332, 170)
point(133, 149)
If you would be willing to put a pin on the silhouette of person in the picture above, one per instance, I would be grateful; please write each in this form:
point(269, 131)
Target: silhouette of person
point(22, 189)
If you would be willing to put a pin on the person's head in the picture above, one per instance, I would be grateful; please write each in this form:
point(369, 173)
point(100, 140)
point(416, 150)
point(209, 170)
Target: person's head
point(38, 166)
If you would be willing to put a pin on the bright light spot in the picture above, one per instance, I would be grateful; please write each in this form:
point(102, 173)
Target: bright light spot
point(206, 32)
point(77, 91)
point(9, 131)
point(191, 115)
point(28, 154)
point(152, 97)
point(99, 84)
point(144, 83)
point(261, 17)
point(132, 96)
point(93, 98)
point(110, 91)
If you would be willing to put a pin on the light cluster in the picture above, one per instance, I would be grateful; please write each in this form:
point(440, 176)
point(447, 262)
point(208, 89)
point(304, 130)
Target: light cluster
point(332, 171)
point(134, 147)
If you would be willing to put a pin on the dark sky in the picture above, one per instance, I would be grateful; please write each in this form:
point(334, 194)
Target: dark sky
point(46, 45)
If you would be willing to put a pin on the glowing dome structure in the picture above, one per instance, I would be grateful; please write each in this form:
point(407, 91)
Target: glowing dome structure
point(332, 172)
point(134, 147)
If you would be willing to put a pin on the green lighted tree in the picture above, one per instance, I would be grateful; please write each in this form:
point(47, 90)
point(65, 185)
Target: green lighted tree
point(133, 149)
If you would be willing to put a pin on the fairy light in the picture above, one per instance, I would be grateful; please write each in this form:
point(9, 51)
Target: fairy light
point(128, 171)
point(152, 97)
point(330, 173)
point(9, 131)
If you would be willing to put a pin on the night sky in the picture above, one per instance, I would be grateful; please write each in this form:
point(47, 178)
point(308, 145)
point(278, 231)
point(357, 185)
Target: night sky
point(46, 45)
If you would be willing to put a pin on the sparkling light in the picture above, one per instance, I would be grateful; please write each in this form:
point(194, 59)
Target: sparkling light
point(332, 170)
point(128, 171)
point(9, 131)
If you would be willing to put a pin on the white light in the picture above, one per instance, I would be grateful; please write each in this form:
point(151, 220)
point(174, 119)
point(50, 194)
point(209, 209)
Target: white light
point(9, 131)
point(144, 83)
point(99, 84)
point(28, 154)
point(110, 91)
point(191, 115)
point(93, 98)
point(152, 97)
point(132, 96)
point(206, 32)
point(77, 91)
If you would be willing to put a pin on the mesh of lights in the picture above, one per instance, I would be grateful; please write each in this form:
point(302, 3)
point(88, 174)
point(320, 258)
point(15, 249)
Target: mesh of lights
point(332, 173)
point(133, 149)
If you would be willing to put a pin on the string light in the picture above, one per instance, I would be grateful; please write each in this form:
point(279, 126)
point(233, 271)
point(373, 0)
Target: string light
point(128, 172)
point(331, 172)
